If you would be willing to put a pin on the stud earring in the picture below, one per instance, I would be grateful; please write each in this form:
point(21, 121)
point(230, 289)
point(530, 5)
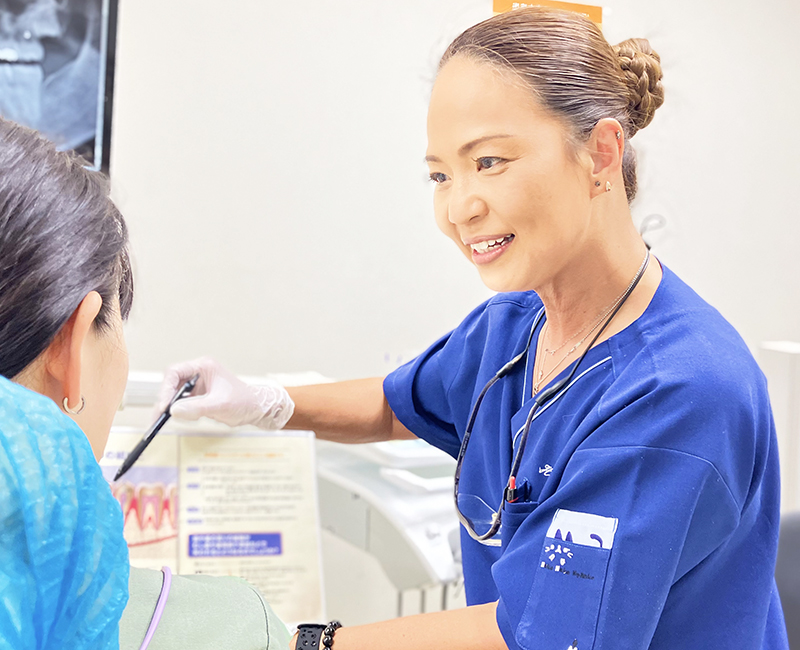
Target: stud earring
point(619, 135)
point(608, 186)
point(71, 411)
point(597, 183)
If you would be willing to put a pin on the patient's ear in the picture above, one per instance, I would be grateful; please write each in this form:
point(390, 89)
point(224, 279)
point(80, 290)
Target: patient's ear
point(63, 357)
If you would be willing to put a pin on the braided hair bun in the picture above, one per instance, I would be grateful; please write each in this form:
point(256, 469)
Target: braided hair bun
point(641, 68)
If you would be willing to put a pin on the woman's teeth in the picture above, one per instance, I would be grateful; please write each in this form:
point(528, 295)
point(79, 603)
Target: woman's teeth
point(484, 246)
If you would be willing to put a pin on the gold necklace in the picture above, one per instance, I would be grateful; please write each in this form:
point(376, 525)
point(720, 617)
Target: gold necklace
point(539, 360)
point(542, 376)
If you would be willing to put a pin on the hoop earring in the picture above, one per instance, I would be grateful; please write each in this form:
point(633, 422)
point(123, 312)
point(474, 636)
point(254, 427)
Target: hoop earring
point(65, 404)
point(608, 186)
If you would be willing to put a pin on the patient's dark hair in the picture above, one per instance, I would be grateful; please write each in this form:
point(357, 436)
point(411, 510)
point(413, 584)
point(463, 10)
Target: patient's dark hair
point(61, 237)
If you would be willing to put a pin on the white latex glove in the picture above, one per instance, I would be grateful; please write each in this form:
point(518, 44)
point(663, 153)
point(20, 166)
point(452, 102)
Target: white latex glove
point(223, 397)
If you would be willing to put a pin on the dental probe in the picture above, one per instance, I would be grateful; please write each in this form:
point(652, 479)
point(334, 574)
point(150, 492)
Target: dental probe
point(147, 438)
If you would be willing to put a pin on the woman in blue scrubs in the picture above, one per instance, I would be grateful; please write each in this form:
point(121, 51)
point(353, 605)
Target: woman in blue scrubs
point(618, 483)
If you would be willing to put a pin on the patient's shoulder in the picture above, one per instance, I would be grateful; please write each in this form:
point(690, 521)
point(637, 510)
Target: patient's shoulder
point(202, 612)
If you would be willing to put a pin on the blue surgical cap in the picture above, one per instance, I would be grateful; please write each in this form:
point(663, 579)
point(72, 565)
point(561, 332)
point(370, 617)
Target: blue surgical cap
point(63, 560)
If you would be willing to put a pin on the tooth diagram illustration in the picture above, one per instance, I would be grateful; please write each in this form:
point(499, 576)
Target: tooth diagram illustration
point(151, 505)
point(125, 495)
point(148, 503)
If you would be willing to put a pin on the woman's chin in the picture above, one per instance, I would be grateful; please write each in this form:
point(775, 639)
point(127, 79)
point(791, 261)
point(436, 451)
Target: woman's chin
point(500, 282)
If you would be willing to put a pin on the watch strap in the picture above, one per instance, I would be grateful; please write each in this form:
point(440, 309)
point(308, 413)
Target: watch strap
point(309, 636)
point(316, 636)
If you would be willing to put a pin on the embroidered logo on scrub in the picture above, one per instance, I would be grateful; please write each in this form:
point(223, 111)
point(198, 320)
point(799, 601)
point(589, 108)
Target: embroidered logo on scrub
point(558, 555)
point(568, 534)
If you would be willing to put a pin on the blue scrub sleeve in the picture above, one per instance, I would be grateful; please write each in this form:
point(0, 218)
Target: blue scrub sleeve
point(418, 394)
point(432, 395)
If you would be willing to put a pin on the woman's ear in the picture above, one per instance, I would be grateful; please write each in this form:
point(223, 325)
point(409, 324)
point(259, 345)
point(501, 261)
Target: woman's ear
point(63, 356)
point(606, 146)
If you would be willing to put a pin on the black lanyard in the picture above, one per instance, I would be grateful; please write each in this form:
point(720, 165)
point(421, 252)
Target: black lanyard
point(509, 492)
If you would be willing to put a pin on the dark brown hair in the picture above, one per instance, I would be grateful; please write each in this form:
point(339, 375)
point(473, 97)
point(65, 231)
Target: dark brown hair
point(61, 237)
point(573, 71)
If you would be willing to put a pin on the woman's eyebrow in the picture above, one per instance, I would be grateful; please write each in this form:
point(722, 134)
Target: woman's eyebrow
point(466, 148)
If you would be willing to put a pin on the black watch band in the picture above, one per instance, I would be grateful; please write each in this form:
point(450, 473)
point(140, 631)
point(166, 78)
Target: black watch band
point(316, 636)
point(309, 636)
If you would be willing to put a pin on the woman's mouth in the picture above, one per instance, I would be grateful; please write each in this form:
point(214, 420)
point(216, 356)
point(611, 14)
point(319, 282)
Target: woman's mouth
point(490, 249)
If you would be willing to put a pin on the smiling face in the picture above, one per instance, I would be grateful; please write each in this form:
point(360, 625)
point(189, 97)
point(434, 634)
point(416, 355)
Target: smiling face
point(511, 190)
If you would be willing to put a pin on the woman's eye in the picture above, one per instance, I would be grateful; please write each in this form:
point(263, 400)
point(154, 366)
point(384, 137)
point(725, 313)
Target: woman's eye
point(438, 177)
point(487, 162)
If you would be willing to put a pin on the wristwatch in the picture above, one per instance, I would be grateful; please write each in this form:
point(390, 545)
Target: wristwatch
point(316, 636)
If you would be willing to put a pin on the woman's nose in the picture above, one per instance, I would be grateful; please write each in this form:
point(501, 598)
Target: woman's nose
point(465, 205)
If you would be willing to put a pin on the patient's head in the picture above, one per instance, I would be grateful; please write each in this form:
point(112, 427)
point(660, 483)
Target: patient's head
point(65, 281)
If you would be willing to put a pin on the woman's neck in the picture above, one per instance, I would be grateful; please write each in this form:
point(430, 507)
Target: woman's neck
point(588, 289)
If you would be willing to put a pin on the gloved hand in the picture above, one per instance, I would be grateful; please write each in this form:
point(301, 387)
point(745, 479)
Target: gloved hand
point(223, 397)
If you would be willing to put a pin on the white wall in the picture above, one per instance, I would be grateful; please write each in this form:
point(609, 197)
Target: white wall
point(268, 158)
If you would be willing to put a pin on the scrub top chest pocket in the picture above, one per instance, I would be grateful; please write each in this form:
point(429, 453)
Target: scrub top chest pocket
point(564, 604)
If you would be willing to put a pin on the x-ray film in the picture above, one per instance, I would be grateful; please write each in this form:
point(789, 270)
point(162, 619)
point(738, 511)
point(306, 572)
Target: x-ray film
point(57, 71)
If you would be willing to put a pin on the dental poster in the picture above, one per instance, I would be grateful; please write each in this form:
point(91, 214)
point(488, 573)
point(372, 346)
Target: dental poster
point(226, 503)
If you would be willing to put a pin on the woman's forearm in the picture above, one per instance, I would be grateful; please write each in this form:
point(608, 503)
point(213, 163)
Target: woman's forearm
point(468, 628)
point(347, 411)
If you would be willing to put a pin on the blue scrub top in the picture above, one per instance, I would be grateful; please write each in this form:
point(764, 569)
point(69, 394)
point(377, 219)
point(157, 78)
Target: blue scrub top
point(650, 508)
